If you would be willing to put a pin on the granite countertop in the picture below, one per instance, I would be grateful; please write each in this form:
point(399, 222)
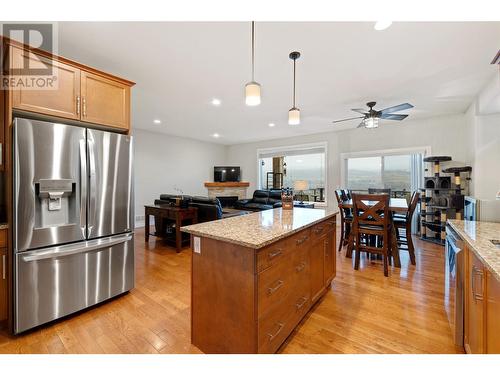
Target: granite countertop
point(260, 229)
point(478, 234)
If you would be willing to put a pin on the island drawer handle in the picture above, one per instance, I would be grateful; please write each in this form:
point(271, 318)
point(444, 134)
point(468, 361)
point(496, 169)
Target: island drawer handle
point(272, 336)
point(301, 304)
point(274, 254)
point(300, 267)
point(318, 230)
point(302, 240)
point(272, 290)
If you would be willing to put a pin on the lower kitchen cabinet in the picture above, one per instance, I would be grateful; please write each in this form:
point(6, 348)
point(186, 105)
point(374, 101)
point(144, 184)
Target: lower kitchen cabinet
point(482, 308)
point(492, 314)
point(474, 305)
point(317, 269)
point(329, 264)
point(3, 286)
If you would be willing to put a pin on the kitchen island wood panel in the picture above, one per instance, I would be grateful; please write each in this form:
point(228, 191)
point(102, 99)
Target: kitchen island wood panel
point(249, 297)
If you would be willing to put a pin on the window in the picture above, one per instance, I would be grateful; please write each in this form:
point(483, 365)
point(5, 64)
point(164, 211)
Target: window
point(282, 167)
point(398, 170)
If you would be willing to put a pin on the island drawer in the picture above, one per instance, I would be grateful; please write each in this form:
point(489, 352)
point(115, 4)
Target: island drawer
point(319, 230)
point(275, 327)
point(300, 240)
point(272, 255)
point(274, 285)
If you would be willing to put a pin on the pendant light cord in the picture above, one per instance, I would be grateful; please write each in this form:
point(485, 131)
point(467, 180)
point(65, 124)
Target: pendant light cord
point(294, 83)
point(253, 51)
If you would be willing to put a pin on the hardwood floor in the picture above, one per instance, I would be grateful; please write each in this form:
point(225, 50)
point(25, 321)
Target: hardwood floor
point(364, 312)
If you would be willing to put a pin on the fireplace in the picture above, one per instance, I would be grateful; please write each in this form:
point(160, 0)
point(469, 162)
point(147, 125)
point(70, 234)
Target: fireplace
point(228, 200)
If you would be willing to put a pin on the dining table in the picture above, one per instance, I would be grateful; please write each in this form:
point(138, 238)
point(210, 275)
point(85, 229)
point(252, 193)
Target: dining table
point(396, 205)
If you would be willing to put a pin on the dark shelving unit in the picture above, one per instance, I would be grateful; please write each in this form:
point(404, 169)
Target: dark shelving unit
point(442, 198)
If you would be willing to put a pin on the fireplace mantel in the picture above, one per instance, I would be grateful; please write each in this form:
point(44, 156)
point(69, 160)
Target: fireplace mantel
point(220, 189)
point(226, 184)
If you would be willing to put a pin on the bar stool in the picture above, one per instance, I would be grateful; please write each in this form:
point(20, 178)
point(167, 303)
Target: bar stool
point(402, 224)
point(345, 219)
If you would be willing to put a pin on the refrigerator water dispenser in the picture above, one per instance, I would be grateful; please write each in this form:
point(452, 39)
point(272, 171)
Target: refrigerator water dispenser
point(56, 203)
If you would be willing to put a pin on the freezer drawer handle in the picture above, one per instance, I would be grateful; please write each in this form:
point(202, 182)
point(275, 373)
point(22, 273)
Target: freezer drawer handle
point(76, 249)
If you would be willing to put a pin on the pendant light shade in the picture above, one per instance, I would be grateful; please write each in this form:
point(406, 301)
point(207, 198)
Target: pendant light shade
point(294, 112)
point(252, 93)
point(252, 88)
point(294, 116)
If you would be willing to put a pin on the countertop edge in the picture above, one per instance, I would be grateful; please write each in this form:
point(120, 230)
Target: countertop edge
point(264, 244)
point(468, 240)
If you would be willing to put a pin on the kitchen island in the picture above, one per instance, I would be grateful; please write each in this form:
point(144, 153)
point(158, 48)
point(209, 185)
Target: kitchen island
point(254, 277)
point(481, 285)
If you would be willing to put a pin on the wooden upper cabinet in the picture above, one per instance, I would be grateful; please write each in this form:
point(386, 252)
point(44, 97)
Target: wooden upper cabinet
point(474, 310)
point(105, 101)
point(492, 314)
point(61, 101)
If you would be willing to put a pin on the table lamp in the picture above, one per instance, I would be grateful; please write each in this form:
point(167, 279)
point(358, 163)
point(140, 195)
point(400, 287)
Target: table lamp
point(301, 185)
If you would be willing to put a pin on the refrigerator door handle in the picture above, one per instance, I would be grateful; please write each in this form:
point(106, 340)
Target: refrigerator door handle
point(83, 187)
point(93, 186)
point(65, 250)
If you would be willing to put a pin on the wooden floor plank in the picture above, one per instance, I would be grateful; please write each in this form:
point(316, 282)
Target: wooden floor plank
point(363, 312)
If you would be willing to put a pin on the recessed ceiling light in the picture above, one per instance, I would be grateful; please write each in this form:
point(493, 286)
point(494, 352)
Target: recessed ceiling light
point(216, 135)
point(216, 101)
point(272, 124)
point(382, 25)
point(157, 121)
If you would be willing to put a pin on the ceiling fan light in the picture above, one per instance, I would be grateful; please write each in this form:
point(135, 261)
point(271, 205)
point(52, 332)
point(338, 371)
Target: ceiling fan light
point(371, 123)
point(294, 116)
point(252, 93)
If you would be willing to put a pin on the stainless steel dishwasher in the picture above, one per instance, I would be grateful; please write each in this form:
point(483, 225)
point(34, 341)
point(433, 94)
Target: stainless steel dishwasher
point(454, 293)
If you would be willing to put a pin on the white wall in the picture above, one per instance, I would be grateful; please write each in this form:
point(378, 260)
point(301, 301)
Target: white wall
point(483, 147)
point(163, 162)
point(446, 135)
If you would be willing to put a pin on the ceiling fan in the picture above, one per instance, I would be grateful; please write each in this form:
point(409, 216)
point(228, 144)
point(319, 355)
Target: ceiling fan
point(371, 117)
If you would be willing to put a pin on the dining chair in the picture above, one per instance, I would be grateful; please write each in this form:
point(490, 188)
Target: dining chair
point(371, 220)
point(402, 224)
point(345, 219)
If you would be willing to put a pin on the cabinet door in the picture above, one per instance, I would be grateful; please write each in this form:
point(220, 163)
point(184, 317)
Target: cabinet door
point(492, 314)
point(317, 269)
point(3, 285)
point(62, 100)
point(474, 319)
point(329, 266)
point(105, 101)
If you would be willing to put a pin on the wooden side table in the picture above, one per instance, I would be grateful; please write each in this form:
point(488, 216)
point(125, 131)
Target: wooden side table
point(173, 213)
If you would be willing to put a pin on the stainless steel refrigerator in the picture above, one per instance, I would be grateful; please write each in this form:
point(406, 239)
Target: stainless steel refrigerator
point(73, 215)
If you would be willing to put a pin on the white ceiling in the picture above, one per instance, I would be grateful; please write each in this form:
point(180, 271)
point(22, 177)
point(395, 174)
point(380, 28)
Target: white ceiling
point(179, 67)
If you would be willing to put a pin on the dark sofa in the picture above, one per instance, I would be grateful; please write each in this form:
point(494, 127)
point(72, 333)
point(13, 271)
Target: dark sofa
point(261, 200)
point(208, 209)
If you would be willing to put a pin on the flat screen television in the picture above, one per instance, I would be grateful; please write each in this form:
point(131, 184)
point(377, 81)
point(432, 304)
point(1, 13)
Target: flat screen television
point(226, 174)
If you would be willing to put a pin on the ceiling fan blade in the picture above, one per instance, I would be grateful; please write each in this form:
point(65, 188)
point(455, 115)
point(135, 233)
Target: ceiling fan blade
point(393, 117)
point(396, 108)
point(360, 110)
point(347, 119)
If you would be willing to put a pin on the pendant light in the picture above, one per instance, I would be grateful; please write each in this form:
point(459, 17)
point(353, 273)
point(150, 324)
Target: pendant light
point(294, 112)
point(252, 88)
